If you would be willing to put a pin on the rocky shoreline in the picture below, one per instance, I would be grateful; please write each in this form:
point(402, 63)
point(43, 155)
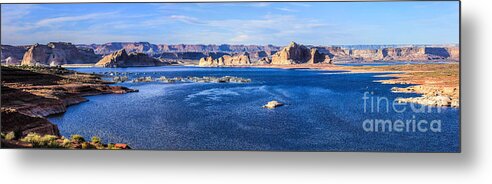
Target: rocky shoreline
point(29, 94)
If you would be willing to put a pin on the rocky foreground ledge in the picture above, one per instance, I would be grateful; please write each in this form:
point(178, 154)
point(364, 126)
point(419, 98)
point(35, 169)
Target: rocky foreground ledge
point(29, 94)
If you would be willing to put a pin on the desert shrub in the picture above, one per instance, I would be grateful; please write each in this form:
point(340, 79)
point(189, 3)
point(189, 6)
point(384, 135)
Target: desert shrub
point(66, 143)
point(33, 138)
point(38, 141)
point(96, 140)
point(48, 138)
point(50, 141)
point(77, 138)
point(86, 145)
point(110, 146)
point(9, 136)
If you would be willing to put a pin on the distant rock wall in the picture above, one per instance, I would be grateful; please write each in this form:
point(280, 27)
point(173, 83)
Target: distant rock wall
point(151, 49)
point(407, 54)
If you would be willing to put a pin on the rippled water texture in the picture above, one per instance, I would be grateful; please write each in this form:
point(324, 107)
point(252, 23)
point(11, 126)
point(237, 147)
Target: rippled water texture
point(324, 111)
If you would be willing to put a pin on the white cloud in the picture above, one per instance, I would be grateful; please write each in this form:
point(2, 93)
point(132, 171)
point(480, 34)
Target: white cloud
point(287, 9)
point(57, 20)
point(240, 38)
point(185, 19)
point(269, 29)
point(261, 4)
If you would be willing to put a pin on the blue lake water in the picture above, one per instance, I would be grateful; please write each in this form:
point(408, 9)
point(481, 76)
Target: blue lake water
point(324, 111)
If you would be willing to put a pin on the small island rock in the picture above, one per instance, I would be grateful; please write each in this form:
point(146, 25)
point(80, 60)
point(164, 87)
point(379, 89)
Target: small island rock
point(273, 104)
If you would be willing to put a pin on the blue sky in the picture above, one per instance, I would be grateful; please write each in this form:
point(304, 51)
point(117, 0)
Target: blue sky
point(330, 23)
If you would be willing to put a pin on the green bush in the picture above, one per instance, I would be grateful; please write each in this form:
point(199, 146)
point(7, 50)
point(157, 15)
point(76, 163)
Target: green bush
point(77, 138)
point(96, 140)
point(9, 136)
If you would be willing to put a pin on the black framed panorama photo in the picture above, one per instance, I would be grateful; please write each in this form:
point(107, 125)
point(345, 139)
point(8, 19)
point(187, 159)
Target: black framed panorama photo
point(232, 76)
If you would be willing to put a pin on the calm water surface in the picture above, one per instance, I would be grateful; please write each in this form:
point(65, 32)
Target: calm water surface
point(324, 111)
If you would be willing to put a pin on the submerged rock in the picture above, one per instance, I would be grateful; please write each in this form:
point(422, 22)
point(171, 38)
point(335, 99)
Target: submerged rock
point(273, 104)
point(120, 79)
point(225, 79)
point(143, 79)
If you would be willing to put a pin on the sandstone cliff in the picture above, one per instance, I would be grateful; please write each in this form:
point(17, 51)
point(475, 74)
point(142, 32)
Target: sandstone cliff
point(122, 59)
point(226, 60)
point(298, 54)
point(58, 53)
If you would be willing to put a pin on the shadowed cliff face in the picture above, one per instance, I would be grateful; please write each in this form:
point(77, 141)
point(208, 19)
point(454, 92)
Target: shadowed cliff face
point(12, 55)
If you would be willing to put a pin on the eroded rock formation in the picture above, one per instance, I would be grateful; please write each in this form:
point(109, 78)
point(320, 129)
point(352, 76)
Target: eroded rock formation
point(226, 60)
point(122, 59)
point(299, 54)
point(58, 53)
